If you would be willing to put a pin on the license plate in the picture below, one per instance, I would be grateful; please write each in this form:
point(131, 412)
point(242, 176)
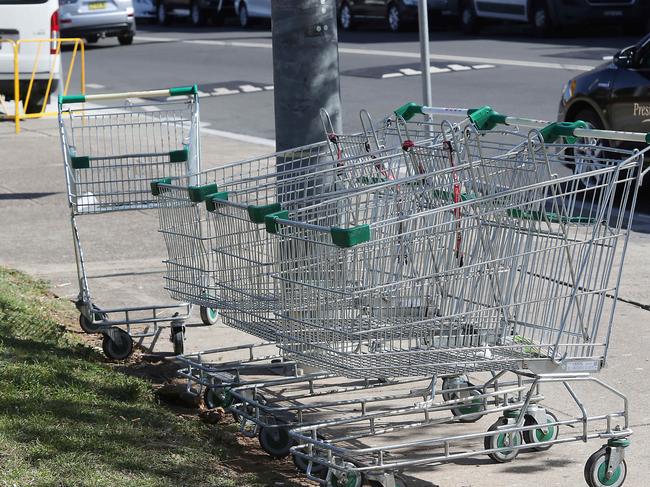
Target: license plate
point(97, 6)
point(613, 13)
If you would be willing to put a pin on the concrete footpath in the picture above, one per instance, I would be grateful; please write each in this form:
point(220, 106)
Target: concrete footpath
point(125, 252)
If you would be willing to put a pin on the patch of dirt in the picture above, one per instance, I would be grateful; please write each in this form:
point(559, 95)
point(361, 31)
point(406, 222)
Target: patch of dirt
point(245, 455)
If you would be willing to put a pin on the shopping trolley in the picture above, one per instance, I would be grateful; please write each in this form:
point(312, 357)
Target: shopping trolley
point(500, 278)
point(111, 154)
point(218, 255)
point(244, 253)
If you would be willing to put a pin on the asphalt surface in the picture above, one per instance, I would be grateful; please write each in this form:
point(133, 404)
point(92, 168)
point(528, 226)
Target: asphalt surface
point(505, 68)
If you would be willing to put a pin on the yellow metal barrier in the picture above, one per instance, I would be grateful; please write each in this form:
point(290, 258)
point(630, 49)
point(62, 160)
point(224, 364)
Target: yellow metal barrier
point(78, 49)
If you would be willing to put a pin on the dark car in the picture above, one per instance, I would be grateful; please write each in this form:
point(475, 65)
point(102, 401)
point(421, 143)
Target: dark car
point(397, 14)
point(199, 11)
point(614, 95)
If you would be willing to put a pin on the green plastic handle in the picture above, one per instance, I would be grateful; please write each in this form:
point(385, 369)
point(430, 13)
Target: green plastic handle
point(184, 90)
point(408, 111)
point(485, 118)
point(555, 130)
point(72, 99)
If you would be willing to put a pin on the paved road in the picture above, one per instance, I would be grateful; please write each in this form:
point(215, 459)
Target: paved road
point(504, 68)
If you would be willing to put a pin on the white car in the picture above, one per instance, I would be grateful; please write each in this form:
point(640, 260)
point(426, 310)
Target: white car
point(252, 9)
point(29, 19)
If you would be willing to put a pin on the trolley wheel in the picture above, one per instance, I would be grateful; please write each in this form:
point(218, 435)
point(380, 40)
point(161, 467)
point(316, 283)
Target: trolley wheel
point(475, 407)
point(117, 344)
point(502, 440)
point(276, 441)
point(540, 435)
point(178, 339)
point(209, 316)
point(88, 326)
point(596, 470)
point(250, 410)
point(317, 469)
point(217, 398)
point(347, 478)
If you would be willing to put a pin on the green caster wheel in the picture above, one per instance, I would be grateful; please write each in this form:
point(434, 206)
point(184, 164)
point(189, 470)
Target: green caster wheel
point(209, 316)
point(470, 411)
point(502, 441)
point(217, 398)
point(346, 478)
point(596, 470)
point(550, 433)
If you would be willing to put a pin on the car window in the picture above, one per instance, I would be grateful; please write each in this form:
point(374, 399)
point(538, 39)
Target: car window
point(643, 54)
point(643, 58)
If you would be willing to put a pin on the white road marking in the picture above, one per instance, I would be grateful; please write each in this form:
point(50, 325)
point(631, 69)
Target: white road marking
point(94, 86)
point(390, 53)
point(410, 72)
point(241, 137)
point(223, 91)
point(156, 39)
point(459, 67)
point(483, 66)
point(145, 107)
point(249, 88)
point(434, 70)
point(391, 75)
point(467, 59)
point(414, 55)
point(269, 88)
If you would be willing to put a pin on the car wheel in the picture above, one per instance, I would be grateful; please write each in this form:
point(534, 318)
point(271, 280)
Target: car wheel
point(394, 18)
point(37, 99)
point(346, 20)
point(125, 39)
point(244, 19)
point(469, 21)
point(197, 16)
point(588, 150)
point(163, 15)
point(92, 39)
point(541, 20)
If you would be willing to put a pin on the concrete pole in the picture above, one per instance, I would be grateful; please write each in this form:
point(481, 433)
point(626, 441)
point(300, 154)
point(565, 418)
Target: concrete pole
point(305, 70)
point(423, 20)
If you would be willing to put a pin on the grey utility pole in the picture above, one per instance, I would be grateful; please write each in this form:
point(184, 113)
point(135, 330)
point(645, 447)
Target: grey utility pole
point(423, 18)
point(305, 70)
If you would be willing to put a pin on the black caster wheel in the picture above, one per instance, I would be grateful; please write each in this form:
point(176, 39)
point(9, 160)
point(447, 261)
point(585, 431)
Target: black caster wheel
point(596, 470)
point(317, 469)
point(86, 325)
point(550, 433)
point(502, 440)
point(276, 441)
point(178, 339)
point(117, 344)
point(209, 316)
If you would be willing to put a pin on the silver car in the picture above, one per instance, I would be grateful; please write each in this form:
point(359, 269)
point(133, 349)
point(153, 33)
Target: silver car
point(93, 19)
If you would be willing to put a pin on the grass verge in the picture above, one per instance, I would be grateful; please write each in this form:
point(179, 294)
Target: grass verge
point(68, 419)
